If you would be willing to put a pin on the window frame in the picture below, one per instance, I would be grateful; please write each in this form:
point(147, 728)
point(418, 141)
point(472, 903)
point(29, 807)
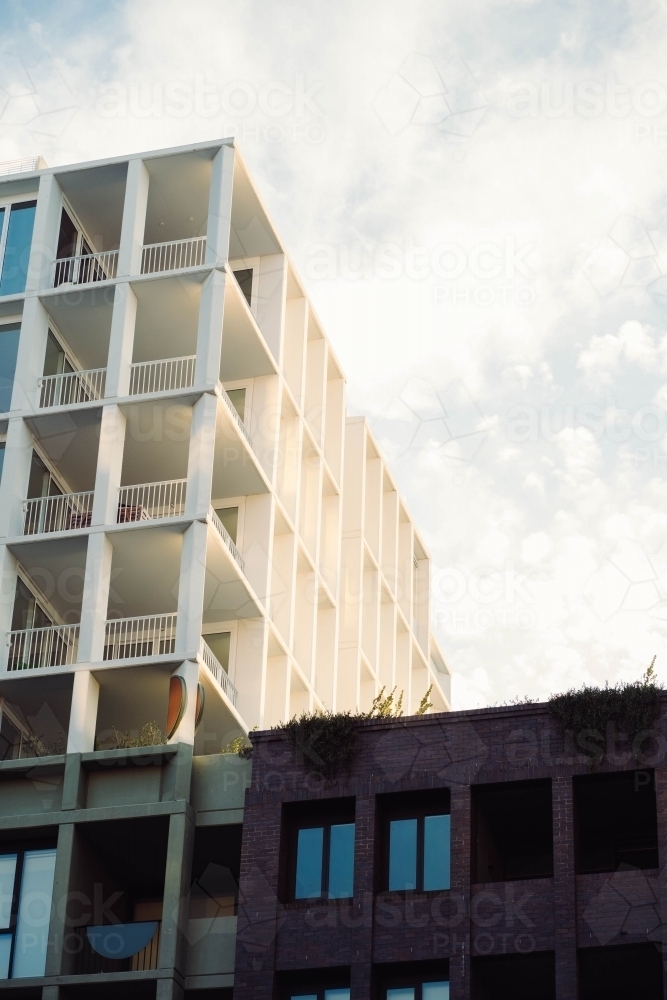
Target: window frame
point(20, 852)
point(410, 983)
point(315, 815)
point(414, 806)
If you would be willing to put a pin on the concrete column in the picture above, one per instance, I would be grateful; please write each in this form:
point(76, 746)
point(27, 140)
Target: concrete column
point(121, 341)
point(178, 874)
point(83, 713)
point(15, 476)
point(109, 465)
point(189, 671)
point(95, 599)
point(30, 357)
point(459, 962)
point(44, 234)
point(209, 331)
point(191, 588)
point(134, 219)
point(201, 456)
point(8, 577)
point(220, 207)
point(564, 888)
point(58, 926)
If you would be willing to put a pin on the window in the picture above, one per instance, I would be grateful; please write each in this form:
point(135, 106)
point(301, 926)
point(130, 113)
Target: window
point(16, 225)
point(244, 278)
point(438, 990)
point(2, 457)
point(9, 346)
point(26, 887)
point(417, 843)
point(230, 520)
point(73, 244)
point(616, 822)
point(321, 837)
point(335, 994)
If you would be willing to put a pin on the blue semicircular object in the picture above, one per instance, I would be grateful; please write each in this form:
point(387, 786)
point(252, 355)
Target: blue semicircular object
point(121, 940)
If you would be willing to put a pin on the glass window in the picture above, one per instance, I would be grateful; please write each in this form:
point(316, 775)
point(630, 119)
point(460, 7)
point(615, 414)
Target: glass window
point(26, 885)
point(244, 278)
point(420, 991)
point(338, 994)
point(2, 457)
point(403, 854)
point(419, 853)
point(309, 851)
point(9, 346)
point(325, 862)
point(17, 248)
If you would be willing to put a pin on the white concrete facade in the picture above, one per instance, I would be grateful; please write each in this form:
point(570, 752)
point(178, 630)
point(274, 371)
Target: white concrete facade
point(183, 492)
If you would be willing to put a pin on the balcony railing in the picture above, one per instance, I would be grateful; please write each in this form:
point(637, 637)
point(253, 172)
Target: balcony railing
point(30, 649)
point(227, 538)
point(232, 409)
point(151, 500)
point(85, 268)
point(20, 166)
point(161, 376)
point(104, 949)
point(174, 255)
point(129, 638)
point(71, 388)
point(218, 671)
point(58, 513)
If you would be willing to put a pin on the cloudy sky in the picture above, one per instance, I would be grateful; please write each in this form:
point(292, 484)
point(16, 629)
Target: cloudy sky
point(475, 194)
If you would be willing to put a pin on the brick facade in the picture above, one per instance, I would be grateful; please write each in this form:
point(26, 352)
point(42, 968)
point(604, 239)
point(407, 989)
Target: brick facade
point(456, 751)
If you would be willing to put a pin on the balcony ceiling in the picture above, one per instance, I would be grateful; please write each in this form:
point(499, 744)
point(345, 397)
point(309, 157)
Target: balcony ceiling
point(97, 195)
point(71, 442)
point(226, 598)
point(251, 233)
point(157, 440)
point(84, 320)
point(145, 570)
point(167, 317)
point(178, 195)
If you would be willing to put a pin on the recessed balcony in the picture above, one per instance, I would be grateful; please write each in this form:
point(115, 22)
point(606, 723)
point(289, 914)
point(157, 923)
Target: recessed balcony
point(69, 512)
point(162, 376)
point(174, 255)
point(227, 539)
point(147, 635)
point(71, 388)
point(132, 947)
point(35, 648)
point(218, 671)
point(85, 268)
point(150, 501)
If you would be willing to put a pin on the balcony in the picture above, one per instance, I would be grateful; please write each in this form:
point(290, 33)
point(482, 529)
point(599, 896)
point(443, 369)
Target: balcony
point(218, 671)
point(130, 638)
point(68, 512)
point(149, 501)
point(227, 539)
point(175, 255)
point(86, 268)
point(71, 388)
point(234, 413)
point(31, 649)
point(162, 376)
point(132, 947)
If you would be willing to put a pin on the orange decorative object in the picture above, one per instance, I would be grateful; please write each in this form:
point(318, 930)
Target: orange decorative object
point(178, 700)
point(201, 700)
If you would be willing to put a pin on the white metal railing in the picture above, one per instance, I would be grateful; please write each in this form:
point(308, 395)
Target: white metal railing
point(218, 671)
point(55, 646)
point(149, 500)
point(174, 255)
point(20, 166)
point(85, 268)
point(69, 388)
point(161, 376)
point(227, 539)
point(150, 635)
point(57, 513)
point(234, 412)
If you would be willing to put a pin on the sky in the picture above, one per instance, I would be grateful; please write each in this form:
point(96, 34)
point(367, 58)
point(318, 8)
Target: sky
point(475, 196)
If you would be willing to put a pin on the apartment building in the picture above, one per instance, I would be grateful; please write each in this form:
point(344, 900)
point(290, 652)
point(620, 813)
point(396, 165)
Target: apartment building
point(473, 855)
point(195, 540)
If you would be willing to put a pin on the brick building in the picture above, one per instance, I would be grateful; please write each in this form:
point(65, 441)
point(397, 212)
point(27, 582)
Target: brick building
point(555, 886)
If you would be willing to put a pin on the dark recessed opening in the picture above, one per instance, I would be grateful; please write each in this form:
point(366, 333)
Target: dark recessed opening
point(244, 278)
point(216, 868)
point(512, 831)
point(616, 822)
point(627, 972)
point(515, 977)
